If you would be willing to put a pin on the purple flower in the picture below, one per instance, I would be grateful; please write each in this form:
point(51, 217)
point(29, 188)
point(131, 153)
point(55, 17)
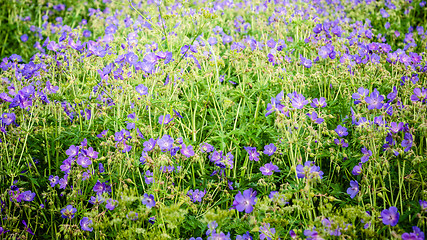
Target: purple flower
point(84, 161)
point(341, 142)
point(85, 224)
point(53, 180)
point(253, 154)
point(100, 188)
point(165, 119)
point(305, 62)
point(206, 147)
point(390, 216)
point(423, 205)
point(396, 127)
point(292, 234)
point(96, 200)
point(149, 177)
point(187, 150)
point(165, 143)
point(111, 204)
point(196, 195)
point(141, 89)
point(28, 196)
point(312, 235)
point(298, 101)
point(149, 145)
point(245, 201)
point(415, 235)
point(309, 170)
point(357, 170)
point(321, 102)
point(246, 236)
point(313, 116)
point(266, 232)
point(268, 169)
point(24, 37)
point(72, 151)
point(374, 101)
point(407, 141)
point(148, 200)
point(360, 95)
point(353, 189)
point(269, 149)
point(419, 95)
point(68, 212)
point(341, 131)
point(8, 118)
point(211, 228)
point(366, 154)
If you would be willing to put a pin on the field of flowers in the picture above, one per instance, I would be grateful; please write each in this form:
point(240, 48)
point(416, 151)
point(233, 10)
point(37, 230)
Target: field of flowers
point(227, 119)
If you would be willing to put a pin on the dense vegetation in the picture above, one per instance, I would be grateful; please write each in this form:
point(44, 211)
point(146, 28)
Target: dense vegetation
point(213, 119)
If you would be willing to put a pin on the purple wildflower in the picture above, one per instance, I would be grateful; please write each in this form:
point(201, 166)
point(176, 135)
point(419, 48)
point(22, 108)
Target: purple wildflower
point(268, 169)
point(269, 149)
point(390, 216)
point(68, 212)
point(85, 224)
point(245, 201)
point(266, 232)
point(353, 189)
point(148, 200)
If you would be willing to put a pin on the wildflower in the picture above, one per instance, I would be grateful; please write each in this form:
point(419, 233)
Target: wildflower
point(149, 177)
point(375, 100)
point(366, 154)
point(341, 142)
point(419, 95)
point(24, 37)
point(298, 101)
point(312, 235)
point(85, 224)
point(357, 170)
point(28, 196)
point(407, 141)
point(187, 150)
point(360, 95)
point(341, 131)
point(27, 229)
point(165, 143)
point(268, 169)
point(253, 154)
point(165, 119)
point(149, 145)
point(321, 102)
point(96, 200)
point(246, 236)
point(68, 212)
point(415, 235)
point(269, 149)
point(292, 234)
point(111, 204)
point(309, 170)
point(141, 89)
point(353, 189)
point(219, 236)
point(211, 228)
point(305, 62)
point(72, 151)
point(53, 180)
point(148, 200)
point(152, 220)
point(8, 118)
point(206, 147)
point(314, 118)
point(84, 161)
point(196, 195)
point(245, 201)
point(390, 216)
point(266, 232)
